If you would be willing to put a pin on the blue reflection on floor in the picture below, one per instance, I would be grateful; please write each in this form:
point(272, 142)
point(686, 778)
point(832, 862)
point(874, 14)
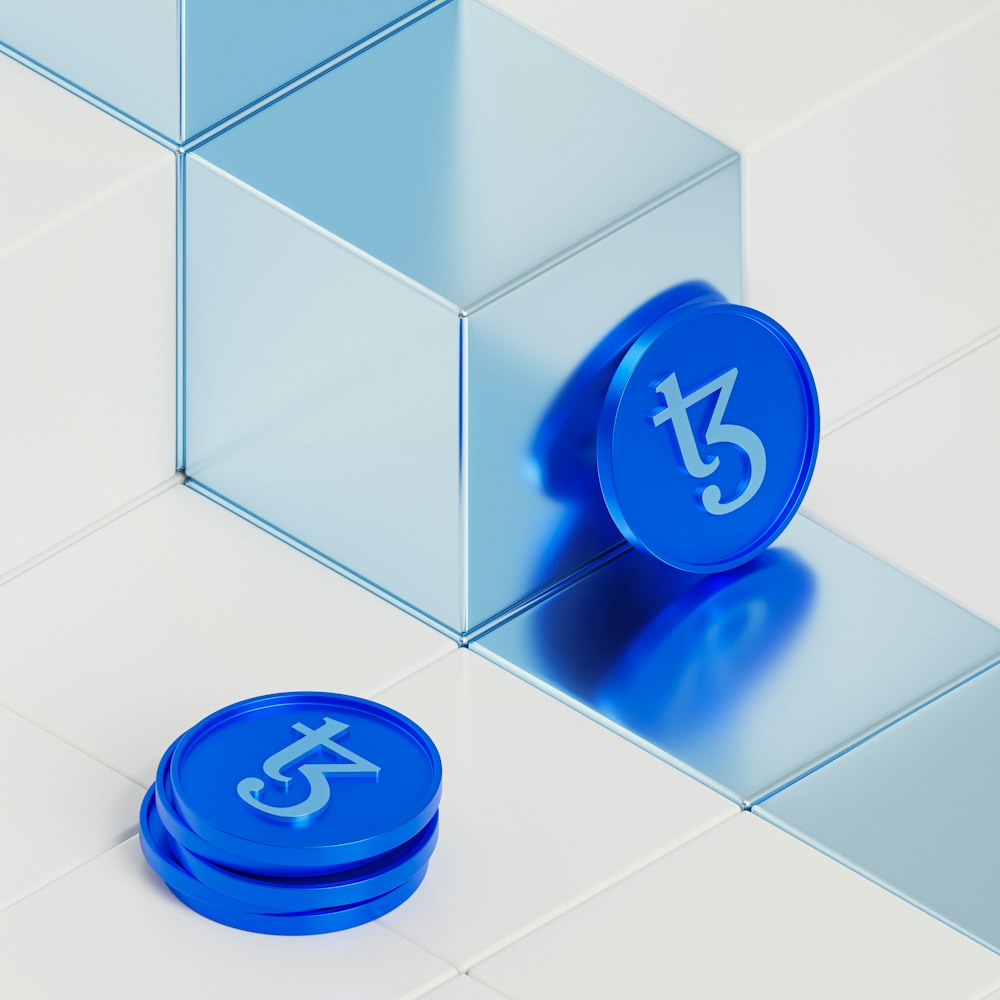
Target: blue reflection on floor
point(748, 679)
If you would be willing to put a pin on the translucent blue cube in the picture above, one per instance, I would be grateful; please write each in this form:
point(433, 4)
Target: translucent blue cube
point(395, 275)
point(181, 66)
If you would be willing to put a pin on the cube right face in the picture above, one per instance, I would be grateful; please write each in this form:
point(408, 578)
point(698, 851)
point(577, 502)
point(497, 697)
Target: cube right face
point(394, 274)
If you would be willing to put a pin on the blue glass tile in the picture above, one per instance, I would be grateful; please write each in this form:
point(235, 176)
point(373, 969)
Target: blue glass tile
point(916, 808)
point(181, 66)
point(749, 678)
point(395, 270)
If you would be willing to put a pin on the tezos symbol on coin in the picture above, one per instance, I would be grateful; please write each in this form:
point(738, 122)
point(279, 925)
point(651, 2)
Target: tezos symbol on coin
point(350, 764)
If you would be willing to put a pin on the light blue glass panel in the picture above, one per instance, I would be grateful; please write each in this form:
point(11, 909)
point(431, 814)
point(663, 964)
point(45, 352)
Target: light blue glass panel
point(322, 392)
point(749, 678)
point(237, 51)
point(916, 808)
point(528, 528)
point(128, 53)
point(500, 181)
point(463, 151)
point(124, 52)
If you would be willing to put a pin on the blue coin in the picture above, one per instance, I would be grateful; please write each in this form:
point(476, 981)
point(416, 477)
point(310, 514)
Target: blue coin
point(312, 922)
point(317, 892)
point(306, 780)
point(184, 837)
point(708, 436)
point(158, 852)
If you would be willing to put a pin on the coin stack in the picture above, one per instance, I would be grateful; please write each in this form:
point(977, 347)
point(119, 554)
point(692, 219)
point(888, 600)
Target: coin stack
point(295, 813)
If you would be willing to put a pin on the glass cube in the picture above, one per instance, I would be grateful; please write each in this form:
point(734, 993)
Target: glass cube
point(397, 273)
point(181, 66)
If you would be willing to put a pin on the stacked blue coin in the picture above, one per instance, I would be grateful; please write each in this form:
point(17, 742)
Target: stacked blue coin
point(295, 813)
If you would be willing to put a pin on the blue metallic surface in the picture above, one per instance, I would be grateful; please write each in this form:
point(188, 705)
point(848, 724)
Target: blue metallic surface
point(394, 272)
point(366, 815)
point(708, 436)
point(179, 67)
point(916, 808)
point(314, 922)
point(158, 851)
point(285, 895)
point(750, 677)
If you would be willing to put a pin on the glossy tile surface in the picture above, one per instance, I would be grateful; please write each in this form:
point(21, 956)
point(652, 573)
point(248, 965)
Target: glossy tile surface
point(540, 809)
point(59, 808)
point(380, 264)
point(744, 910)
point(916, 808)
point(87, 383)
point(925, 501)
point(175, 610)
point(748, 678)
point(118, 932)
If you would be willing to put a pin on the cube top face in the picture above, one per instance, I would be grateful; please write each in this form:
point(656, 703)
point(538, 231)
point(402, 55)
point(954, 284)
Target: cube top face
point(463, 152)
point(181, 66)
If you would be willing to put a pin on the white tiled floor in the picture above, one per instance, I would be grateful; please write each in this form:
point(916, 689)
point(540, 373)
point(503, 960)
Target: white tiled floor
point(87, 262)
point(541, 808)
point(111, 929)
point(59, 808)
point(463, 988)
point(916, 480)
point(744, 910)
point(122, 641)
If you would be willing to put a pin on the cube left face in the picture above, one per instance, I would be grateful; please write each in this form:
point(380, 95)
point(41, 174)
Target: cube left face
point(181, 68)
point(87, 282)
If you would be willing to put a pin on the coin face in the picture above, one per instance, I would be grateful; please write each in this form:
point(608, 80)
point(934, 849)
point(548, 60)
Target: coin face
point(308, 780)
point(708, 436)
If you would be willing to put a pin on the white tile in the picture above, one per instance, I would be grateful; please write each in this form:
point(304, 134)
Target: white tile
point(115, 930)
point(741, 70)
point(59, 152)
point(87, 263)
point(541, 807)
point(744, 910)
point(59, 808)
point(914, 480)
point(127, 638)
point(872, 212)
point(463, 988)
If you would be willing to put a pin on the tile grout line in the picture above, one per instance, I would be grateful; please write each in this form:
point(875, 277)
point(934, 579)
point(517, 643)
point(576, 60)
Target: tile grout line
point(912, 381)
point(596, 890)
point(176, 479)
point(133, 832)
point(103, 196)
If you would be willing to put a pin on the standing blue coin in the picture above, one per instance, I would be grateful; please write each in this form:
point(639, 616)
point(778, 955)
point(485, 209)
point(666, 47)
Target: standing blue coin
point(305, 780)
point(708, 436)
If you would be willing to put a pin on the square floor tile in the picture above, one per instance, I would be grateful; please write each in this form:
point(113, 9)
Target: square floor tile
point(915, 479)
point(749, 678)
point(463, 988)
point(743, 910)
point(124, 640)
point(112, 929)
point(916, 808)
point(59, 808)
point(87, 282)
point(540, 808)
